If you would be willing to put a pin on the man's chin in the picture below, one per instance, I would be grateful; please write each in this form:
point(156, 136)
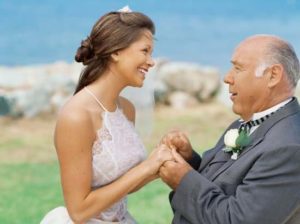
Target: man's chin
point(235, 109)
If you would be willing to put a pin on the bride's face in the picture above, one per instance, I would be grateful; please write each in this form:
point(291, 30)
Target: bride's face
point(133, 62)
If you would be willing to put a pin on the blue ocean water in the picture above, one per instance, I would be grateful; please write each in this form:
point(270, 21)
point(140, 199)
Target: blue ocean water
point(202, 31)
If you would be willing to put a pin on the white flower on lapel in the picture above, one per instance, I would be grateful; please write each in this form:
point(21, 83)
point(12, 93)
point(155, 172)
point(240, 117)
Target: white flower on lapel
point(230, 138)
point(235, 142)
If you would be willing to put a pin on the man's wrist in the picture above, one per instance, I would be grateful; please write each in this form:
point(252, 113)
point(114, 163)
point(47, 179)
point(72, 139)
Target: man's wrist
point(194, 160)
point(189, 156)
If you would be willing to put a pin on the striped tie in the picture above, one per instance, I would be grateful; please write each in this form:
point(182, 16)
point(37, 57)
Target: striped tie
point(246, 126)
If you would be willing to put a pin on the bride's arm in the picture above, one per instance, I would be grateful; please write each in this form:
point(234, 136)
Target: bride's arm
point(144, 182)
point(74, 137)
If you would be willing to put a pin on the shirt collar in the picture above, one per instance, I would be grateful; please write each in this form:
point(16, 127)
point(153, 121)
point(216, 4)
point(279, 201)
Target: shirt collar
point(270, 110)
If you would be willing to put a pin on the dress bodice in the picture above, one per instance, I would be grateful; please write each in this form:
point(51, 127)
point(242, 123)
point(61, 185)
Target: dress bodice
point(116, 149)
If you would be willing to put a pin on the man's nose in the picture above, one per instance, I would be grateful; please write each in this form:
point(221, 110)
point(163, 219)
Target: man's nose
point(228, 78)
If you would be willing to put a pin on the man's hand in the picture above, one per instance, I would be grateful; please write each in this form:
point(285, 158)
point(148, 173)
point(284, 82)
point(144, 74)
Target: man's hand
point(158, 156)
point(179, 141)
point(172, 172)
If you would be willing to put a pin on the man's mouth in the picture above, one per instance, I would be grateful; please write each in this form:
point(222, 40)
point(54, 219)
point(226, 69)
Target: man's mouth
point(233, 95)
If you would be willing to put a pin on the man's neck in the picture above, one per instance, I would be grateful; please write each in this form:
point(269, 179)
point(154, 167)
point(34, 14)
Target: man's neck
point(268, 110)
point(274, 108)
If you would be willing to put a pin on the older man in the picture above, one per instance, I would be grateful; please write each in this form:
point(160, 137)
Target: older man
point(255, 178)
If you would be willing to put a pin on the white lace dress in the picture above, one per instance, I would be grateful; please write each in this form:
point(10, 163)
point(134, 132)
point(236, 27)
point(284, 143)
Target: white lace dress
point(116, 149)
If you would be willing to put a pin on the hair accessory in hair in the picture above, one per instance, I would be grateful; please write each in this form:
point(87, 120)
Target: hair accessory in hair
point(125, 9)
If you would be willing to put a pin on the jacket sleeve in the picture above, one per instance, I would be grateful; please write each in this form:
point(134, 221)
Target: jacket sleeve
point(195, 163)
point(195, 160)
point(268, 193)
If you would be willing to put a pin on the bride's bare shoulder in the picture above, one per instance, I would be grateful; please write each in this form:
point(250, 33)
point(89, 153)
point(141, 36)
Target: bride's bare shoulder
point(128, 108)
point(74, 112)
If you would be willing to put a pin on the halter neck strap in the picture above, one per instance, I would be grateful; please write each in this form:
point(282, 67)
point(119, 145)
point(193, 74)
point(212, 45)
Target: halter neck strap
point(93, 95)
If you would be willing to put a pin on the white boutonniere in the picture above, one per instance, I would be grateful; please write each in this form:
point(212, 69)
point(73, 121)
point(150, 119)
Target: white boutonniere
point(235, 142)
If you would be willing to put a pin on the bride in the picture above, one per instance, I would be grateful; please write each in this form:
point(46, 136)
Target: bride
point(100, 154)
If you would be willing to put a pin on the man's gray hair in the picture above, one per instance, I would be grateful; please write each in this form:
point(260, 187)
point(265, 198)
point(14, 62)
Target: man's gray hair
point(281, 52)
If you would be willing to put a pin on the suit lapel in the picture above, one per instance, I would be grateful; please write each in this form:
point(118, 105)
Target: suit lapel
point(210, 154)
point(231, 161)
point(209, 157)
point(259, 134)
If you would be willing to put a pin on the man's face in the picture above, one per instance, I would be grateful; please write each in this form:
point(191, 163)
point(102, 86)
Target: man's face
point(249, 93)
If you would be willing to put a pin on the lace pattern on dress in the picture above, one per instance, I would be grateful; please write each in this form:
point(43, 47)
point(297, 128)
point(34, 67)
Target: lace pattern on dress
point(102, 135)
point(116, 149)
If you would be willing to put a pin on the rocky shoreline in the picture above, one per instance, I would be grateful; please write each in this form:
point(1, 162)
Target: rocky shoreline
point(28, 91)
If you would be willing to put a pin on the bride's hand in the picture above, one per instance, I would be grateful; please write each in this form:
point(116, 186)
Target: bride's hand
point(179, 141)
point(157, 157)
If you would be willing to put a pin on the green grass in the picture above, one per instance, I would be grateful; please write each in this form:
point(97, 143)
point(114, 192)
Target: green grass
point(151, 204)
point(10, 144)
point(29, 174)
point(27, 191)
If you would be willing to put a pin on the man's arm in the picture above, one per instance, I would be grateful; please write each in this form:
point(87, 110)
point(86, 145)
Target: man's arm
point(268, 193)
point(172, 172)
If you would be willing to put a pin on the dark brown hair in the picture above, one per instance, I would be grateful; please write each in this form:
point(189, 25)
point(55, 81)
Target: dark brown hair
point(112, 32)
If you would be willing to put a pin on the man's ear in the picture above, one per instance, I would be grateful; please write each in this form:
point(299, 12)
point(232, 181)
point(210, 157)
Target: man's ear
point(275, 75)
point(115, 56)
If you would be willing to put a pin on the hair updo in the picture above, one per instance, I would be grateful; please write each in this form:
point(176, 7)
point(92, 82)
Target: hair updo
point(85, 51)
point(112, 32)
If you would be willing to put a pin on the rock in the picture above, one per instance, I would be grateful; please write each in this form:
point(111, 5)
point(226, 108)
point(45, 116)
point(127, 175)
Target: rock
point(160, 92)
point(31, 90)
point(181, 76)
point(181, 100)
point(200, 82)
point(4, 106)
point(210, 84)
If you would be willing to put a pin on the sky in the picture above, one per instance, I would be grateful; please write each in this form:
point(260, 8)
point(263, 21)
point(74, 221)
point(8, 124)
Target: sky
point(203, 31)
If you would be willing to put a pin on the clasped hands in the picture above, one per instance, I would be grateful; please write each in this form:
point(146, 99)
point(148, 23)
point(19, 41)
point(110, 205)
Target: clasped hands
point(171, 155)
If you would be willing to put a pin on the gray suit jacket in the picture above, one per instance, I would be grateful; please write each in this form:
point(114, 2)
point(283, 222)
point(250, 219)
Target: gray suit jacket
point(261, 187)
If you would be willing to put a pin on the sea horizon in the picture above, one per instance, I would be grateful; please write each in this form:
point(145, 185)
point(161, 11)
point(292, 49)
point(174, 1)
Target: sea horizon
point(203, 32)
